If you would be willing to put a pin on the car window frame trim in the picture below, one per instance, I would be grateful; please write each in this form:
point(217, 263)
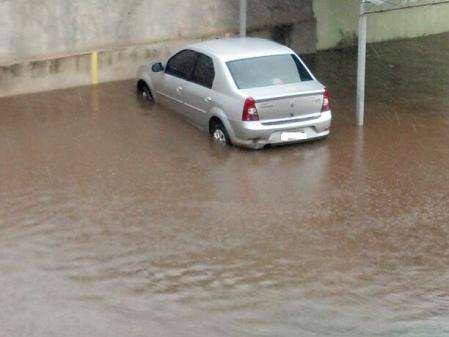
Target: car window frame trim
point(177, 75)
point(194, 69)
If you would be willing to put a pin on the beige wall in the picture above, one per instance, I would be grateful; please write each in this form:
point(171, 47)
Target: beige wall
point(47, 44)
point(40, 29)
point(337, 23)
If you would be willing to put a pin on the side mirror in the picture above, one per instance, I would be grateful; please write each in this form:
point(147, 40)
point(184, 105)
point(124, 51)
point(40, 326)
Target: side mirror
point(157, 67)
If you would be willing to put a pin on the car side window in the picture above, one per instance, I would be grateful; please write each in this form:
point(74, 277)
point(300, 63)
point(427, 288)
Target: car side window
point(182, 64)
point(204, 73)
point(303, 73)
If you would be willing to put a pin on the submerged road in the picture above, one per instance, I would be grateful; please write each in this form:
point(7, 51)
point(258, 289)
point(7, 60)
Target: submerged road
point(117, 218)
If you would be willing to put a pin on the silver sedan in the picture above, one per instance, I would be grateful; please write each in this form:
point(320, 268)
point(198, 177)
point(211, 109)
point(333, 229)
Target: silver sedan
point(244, 91)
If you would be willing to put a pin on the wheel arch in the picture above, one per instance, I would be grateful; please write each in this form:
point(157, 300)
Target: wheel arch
point(143, 77)
point(217, 114)
point(212, 121)
point(140, 84)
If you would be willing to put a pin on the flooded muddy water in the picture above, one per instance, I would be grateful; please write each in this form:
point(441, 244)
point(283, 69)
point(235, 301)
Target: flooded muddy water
point(118, 218)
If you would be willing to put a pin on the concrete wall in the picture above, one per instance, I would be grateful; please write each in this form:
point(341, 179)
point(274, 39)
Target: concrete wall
point(337, 23)
point(46, 44)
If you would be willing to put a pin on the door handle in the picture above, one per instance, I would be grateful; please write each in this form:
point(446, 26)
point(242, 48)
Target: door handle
point(208, 100)
point(179, 89)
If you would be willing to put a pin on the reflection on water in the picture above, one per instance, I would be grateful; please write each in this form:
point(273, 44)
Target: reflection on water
point(119, 218)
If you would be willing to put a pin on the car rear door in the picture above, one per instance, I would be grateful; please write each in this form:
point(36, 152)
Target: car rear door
point(179, 68)
point(198, 93)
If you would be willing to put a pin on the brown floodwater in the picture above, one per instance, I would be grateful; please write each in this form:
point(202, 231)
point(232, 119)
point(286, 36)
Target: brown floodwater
point(118, 218)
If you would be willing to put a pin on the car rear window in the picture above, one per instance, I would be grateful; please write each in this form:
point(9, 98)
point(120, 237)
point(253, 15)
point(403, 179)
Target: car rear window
point(268, 71)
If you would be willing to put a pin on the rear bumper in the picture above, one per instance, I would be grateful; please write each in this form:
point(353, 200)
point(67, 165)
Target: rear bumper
point(256, 135)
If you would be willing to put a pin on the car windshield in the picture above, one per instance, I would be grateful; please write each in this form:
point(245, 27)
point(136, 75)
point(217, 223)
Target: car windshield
point(268, 71)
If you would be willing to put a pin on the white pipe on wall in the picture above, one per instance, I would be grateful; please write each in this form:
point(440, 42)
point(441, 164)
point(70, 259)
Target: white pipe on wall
point(361, 71)
point(243, 17)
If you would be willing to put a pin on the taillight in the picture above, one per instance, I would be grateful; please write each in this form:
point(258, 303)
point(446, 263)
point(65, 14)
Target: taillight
point(326, 101)
point(250, 110)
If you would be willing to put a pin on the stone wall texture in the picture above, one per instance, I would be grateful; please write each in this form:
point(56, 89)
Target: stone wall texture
point(57, 36)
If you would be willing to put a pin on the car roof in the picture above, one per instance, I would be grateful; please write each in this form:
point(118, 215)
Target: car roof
point(240, 48)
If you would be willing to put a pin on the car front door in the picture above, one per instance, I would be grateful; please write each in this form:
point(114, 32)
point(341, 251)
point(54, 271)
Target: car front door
point(198, 93)
point(179, 68)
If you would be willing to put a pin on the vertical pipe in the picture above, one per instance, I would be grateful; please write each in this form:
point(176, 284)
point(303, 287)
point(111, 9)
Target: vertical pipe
point(94, 68)
point(361, 71)
point(243, 17)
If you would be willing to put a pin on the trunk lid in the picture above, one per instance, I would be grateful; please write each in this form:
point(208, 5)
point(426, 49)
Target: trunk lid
point(288, 101)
